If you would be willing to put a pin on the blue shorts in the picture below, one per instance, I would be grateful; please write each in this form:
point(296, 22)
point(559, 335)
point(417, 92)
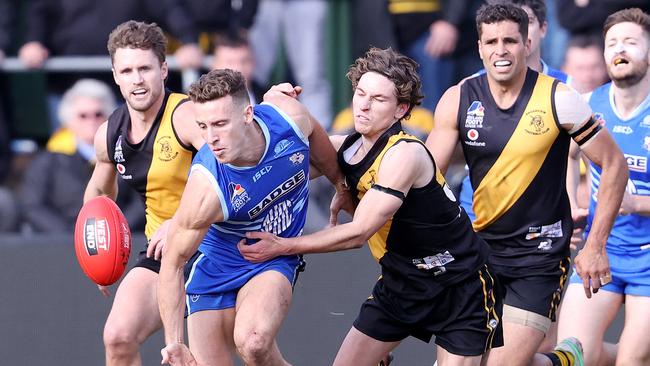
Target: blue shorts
point(630, 273)
point(210, 287)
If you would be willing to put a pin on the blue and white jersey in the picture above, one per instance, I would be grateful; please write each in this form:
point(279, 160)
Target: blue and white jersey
point(632, 135)
point(271, 196)
point(466, 190)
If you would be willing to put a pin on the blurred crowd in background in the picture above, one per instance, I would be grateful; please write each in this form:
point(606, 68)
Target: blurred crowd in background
point(48, 117)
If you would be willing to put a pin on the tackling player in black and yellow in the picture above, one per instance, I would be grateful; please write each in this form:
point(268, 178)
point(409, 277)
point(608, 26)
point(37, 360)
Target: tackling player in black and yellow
point(435, 277)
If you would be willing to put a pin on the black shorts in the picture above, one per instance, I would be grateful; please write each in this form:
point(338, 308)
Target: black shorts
point(465, 317)
point(535, 289)
point(148, 263)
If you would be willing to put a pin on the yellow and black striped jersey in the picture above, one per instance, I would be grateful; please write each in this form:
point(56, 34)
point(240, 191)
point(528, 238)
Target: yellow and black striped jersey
point(156, 167)
point(517, 160)
point(429, 242)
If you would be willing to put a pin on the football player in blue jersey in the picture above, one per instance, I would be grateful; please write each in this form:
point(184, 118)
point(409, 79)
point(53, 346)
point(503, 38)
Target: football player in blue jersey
point(623, 107)
point(252, 175)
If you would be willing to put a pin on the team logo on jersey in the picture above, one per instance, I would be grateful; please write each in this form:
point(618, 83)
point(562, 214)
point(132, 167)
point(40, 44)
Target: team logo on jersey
point(600, 118)
point(625, 130)
point(637, 163)
point(297, 158)
point(238, 196)
point(166, 150)
point(282, 146)
point(279, 191)
point(536, 125)
point(472, 134)
point(118, 156)
point(475, 114)
point(646, 122)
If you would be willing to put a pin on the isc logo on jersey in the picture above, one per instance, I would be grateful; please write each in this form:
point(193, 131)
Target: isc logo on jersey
point(279, 191)
point(475, 114)
point(637, 163)
point(95, 235)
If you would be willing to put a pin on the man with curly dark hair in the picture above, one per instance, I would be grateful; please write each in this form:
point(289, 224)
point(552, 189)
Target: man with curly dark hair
point(430, 257)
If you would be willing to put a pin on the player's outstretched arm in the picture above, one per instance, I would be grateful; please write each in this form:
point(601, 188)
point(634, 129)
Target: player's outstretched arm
point(103, 182)
point(575, 115)
point(199, 207)
point(322, 155)
point(401, 168)
point(444, 136)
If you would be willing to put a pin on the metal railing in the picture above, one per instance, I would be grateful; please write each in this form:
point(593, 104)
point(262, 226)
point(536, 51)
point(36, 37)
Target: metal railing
point(95, 63)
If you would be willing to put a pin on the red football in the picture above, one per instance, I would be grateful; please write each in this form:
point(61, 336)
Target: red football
point(102, 240)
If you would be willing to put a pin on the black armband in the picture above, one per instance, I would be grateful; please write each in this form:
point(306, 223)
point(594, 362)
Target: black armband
point(392, 192)
point(586, 132)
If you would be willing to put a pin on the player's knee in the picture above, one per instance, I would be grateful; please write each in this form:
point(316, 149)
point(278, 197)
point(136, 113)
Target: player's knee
point(118, 340)
point(254, 347)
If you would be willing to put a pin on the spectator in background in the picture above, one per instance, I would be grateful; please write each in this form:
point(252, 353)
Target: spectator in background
point(587, 16)
point(81, 28)
point(221, 17)
point(8, 212)
point(583, 60)
point(54, 183)
point(301, 26)
point(5, 20)
point(431, 32)
point(235, 53)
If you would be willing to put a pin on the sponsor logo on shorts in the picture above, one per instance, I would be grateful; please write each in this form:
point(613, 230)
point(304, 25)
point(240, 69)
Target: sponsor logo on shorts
point(279, 191)
point(165, 149)
point(195, 298)
point(96, 235)
point(637, 163)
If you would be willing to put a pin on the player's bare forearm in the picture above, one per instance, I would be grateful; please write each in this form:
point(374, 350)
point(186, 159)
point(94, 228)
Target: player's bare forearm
point(103, 182)
point(573, 174)
point(323, 156)
point(613, 181)
point(171, 299)
point(181, 243)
